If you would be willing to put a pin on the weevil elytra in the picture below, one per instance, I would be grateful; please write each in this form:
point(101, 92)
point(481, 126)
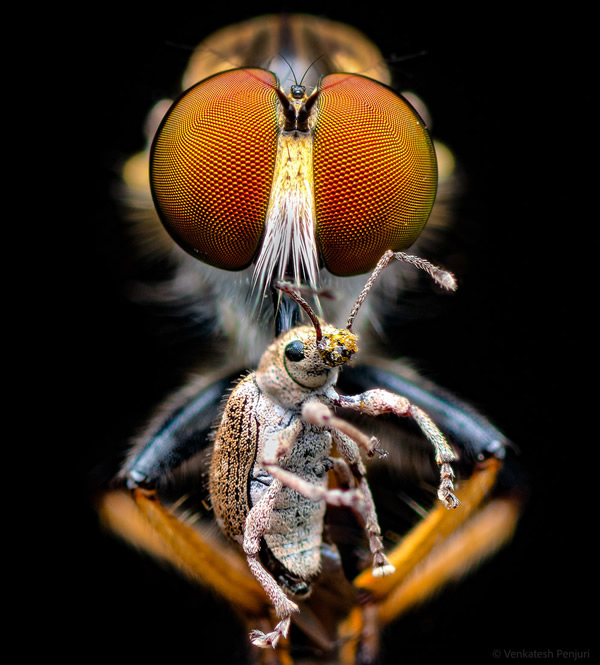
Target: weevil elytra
point(268, 476)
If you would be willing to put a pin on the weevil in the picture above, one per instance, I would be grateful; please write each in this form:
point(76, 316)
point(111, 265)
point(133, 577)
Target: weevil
point(268, 476)
point(344, 616)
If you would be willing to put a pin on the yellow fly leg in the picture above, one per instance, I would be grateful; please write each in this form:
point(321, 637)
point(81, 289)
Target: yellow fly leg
point(438, 550)
point(142, 520)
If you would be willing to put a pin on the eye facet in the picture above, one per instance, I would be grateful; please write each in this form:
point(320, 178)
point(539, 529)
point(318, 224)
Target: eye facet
point(375, 173)
point(294, 351)
point(212, 163)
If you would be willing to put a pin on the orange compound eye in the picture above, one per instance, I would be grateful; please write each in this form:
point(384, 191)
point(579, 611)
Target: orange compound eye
point(375, 173)
point(211, 166)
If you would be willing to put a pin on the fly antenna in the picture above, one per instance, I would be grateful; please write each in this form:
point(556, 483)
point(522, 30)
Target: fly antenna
point(287, 62)
point(441, 277)
point(312, 64)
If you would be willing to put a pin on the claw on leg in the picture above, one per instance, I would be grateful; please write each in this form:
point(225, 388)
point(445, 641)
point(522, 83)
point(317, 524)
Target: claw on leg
point(377, 402)
point(446, 489)
point(266, 640)
point(382, 565)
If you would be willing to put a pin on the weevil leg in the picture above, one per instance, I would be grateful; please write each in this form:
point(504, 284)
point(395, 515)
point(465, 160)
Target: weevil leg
point(358, 498)
point(349, 498)
point(377, 402)
point(446, 543)
point(276, 446)
point(257, 523)
point(320, 414)
point(444, 455)
point(352, 466)
point(468, 429)
point(435, 528)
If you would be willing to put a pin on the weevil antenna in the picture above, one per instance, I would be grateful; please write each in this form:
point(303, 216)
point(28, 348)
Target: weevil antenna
point(292, 291)
point(444, 278)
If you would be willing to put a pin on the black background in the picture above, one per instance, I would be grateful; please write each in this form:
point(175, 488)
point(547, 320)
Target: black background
point(495, 87)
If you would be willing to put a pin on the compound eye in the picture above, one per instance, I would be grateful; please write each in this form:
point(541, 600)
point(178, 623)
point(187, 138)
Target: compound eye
point(294, 351)
point(212, 163)
point(375, 173)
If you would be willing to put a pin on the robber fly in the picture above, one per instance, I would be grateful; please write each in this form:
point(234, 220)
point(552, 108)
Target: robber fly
point(262, 188)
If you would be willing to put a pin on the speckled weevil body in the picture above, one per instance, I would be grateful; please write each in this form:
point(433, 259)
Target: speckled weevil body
point(272, 455)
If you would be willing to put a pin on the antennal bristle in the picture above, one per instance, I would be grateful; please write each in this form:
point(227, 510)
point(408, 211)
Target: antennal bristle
point(444, 278)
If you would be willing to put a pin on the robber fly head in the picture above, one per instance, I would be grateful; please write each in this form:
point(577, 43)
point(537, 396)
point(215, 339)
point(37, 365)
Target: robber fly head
point(243, 173)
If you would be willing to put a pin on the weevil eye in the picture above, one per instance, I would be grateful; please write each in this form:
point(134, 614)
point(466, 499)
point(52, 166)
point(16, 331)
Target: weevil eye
point(212, 163)
point(294, 351)
point(375, 173)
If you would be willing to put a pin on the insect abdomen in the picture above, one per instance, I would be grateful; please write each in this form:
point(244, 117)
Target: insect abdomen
point(296, 534)
point(296, 529)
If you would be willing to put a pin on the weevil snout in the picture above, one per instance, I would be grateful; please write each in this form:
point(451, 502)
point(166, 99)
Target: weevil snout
point(337, 347)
